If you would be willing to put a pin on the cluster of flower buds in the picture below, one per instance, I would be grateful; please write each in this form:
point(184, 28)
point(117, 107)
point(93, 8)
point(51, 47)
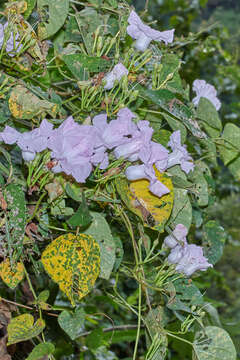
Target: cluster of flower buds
point(12, 44)
point(187, 257)
point(77, 148)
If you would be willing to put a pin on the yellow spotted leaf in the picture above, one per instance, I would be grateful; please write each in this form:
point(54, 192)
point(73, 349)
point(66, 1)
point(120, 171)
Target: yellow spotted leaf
point(22, 328)
point(73, 261)
point(11, 276)
point(23, 104)
point(154, 211)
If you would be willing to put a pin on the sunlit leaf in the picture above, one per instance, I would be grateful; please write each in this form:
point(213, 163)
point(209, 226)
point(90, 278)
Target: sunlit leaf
point(40, 351)
point(213, 343)
point(208, 114)
point(101, 232)
point(22, 328)
point(73, 261)
point(53, 14)
point(72, 322)
point(182, 209)
point(23, 104)
point(154, 211)
point(11, 276)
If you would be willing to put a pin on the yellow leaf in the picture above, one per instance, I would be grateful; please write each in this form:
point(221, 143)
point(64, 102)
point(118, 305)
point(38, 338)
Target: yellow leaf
point(23, 104)
point(11, 276)
point(22, 328)
point(154, 211)
point(73, 261)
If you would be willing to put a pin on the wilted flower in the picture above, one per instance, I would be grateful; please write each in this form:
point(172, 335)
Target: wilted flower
point(144, 34)
point(12, 43)
point(179, 156)
point(188, 258)
point(203, 89)
point(117, 73)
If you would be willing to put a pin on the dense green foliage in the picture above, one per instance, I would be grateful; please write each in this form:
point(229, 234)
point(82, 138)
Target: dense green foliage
point(84, 272)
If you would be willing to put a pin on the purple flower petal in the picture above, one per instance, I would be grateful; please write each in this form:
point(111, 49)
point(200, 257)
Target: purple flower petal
point(203, 89)
point(135, 172)
point(158, 188)
point(10, 135)
point(188, 258)
point(192, 260)
point(144, 34)
point(179, 155)
point(178, 235)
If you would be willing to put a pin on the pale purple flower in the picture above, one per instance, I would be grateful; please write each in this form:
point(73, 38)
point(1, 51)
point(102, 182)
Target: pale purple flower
point(116, 132)
point(117, 73)
point(144, 34)
point(137, 172)
point(72, 146)
point(158, 188)
point(179, 156)
point(192, 259)
point(78, 166)
point(137, 144)
point(188, 258)
point(203, 89)
point(32, 142)
point(10, 135)
point(157, 155)
point(12, 44)
point(177, 237)
point(100, 157)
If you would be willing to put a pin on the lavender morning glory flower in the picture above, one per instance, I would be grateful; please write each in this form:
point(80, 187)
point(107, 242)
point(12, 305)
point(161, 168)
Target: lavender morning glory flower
point(100, 157)
point(34, 141)
point(135, 147)
point(179, 155)
point(12, 44)
point(192, 260)
point(10, 135)
point(144, 34)
point(117, 73)
point(115, 132)
point(72, 146)
point(177, 237)
point(157, 155)
point(203, 89)
point(188, 258)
